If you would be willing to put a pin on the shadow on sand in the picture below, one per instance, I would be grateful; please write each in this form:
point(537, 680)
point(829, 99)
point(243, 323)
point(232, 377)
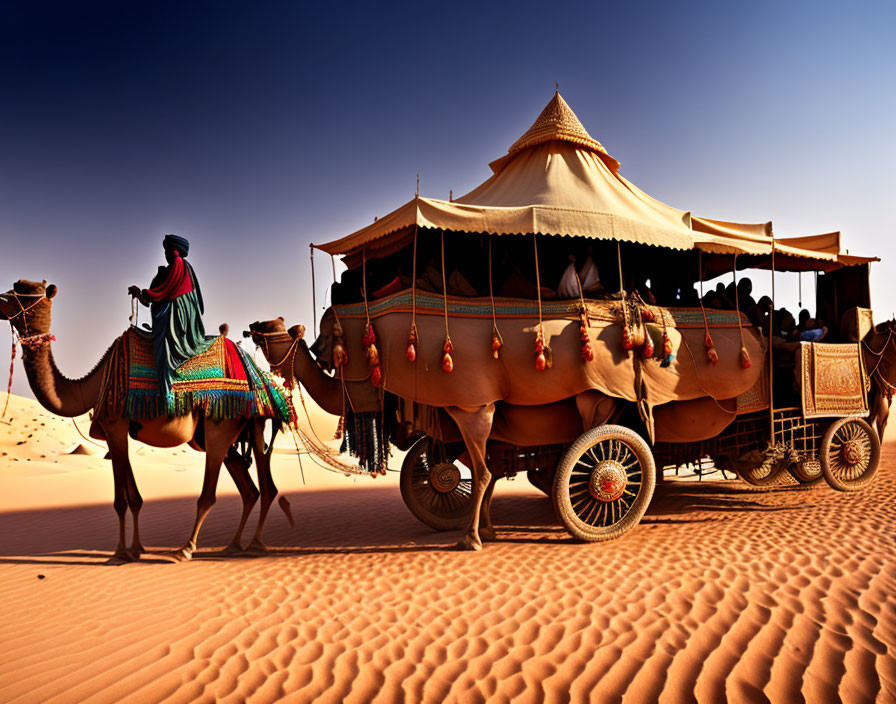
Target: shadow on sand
point(372, 520)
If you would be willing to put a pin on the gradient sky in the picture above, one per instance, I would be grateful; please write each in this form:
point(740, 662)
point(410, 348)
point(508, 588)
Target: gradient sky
point(254, 129)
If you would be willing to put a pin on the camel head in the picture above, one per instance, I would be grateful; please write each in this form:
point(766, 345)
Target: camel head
point(28, 307)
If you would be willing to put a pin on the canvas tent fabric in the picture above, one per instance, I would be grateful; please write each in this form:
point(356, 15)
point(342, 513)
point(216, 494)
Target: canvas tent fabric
point(558, 180)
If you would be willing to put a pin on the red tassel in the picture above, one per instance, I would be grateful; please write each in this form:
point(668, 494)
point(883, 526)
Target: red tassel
point(376, 376)
point(447, 362)
point(712, 355)
point(647, 315)
point(667, 345)
point(707, 342)
point(587, 352)
point(647, 349)
point(626, 338)
point(496, 345)
point(412, 344)
point(745, 358)
point(540, 362)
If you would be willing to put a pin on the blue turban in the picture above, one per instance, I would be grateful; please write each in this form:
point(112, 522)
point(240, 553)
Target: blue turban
point(181, 244)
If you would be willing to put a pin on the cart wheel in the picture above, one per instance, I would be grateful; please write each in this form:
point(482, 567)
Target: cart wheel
point(806, 472)
point(435, 489)
point(604, 483)
point(850, 452)
point(754, 468)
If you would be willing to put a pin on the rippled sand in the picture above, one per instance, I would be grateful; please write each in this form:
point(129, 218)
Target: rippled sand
point(721, 593)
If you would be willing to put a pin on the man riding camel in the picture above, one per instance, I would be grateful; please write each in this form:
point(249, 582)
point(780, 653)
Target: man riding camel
point(175, 302)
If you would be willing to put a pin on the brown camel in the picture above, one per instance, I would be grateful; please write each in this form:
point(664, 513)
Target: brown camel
point(561, 422)
point(28, 307)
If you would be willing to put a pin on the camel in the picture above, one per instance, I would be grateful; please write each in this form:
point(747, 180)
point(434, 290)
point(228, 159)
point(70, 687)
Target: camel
point(28, 307)
point(694, 399)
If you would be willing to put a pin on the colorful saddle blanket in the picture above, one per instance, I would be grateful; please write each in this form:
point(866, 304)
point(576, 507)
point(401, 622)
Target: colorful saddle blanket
point(833, 380)
point(223, 382)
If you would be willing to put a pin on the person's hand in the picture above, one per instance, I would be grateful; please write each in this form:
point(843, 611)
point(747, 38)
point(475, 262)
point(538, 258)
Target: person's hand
point(134, 291)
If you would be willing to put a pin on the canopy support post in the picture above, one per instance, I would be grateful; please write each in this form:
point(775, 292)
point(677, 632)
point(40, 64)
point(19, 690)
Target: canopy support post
point(313, 292)
point(771, 359)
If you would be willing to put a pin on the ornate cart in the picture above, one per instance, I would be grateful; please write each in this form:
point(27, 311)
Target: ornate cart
point(575, 390)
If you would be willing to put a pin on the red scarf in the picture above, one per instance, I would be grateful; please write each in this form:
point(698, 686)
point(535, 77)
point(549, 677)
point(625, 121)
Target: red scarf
point(177, 283)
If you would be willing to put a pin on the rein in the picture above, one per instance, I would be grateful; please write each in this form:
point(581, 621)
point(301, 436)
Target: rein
point(886, 387)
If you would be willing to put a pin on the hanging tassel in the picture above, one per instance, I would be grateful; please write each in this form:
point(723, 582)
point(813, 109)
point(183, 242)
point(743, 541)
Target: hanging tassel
point(745, 358)
point(373, 356)
point(647, 315)
point(711, 353)
point(340, 356)
point(340, 428)
point(447, 362)
point(541, 361)
point(668, 352)
point(412, 343)
point(587, 350)
point(647, 349)
point(496, 345)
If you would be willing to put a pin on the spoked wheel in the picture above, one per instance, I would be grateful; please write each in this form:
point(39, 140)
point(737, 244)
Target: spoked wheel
point(604, 483)
point(754, 468)
point(437, 490)
point(850, 453)
point(806, 472)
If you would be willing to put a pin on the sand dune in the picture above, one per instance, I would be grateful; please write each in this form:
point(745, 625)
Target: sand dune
point(721, 593)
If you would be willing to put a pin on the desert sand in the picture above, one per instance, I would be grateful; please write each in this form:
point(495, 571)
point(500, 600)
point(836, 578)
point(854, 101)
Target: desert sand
point(721, 593)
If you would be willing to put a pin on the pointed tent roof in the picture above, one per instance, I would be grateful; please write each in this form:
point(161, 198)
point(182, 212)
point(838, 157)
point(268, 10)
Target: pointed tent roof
point(557, 122)
point(558, 180)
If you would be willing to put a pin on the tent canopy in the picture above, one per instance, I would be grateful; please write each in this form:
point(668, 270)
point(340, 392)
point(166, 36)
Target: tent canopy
point(558, 180)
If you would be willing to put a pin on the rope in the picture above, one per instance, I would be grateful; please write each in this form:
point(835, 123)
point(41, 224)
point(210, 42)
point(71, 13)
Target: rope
point(740, 326)
point(491, 292)
point(414, 284)
point(538, 282)
point(12, 366)
point(619, 260)
point(92, 442)
point(333, 264)
point(364, 283)
point(313, 293)
point(445, 289)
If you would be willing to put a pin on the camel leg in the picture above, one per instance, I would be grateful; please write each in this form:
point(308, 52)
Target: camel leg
point(486, 529)
point(265, 481)
point(880, 412)
point(135, 503)
point(218, 439)
point(475, 424)
point(248, 493)
point(117, 439)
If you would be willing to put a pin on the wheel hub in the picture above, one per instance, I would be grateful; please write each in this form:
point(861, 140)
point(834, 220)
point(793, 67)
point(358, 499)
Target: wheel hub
point(444, 477)
point(608, 481)
point(852, 452)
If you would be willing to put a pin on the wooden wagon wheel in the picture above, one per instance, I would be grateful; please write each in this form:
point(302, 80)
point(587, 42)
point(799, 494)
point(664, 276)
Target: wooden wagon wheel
point(757, 469)
point(850, 453)
point(434, 488)
point(604, 483)
point(806, 472)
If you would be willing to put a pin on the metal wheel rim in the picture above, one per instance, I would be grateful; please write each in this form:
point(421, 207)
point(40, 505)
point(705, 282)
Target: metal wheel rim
point(597, 512)
point(849, 438)
point(452, 503)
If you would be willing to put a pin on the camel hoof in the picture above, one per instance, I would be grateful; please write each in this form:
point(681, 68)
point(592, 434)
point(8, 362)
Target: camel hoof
point(182, 555)
point(256, 547)
point(487, 534)
point(233, 549)
point(121, 556)
point(469, 543)
point(135, 551)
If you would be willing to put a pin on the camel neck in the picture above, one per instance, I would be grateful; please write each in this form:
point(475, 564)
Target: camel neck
point(57, 393)
point(325, 390)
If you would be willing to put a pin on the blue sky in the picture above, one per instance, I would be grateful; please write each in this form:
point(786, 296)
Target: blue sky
point(254, 129)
